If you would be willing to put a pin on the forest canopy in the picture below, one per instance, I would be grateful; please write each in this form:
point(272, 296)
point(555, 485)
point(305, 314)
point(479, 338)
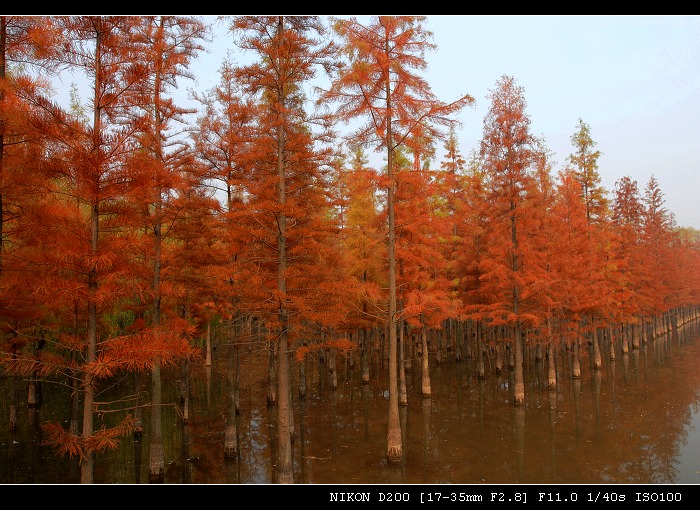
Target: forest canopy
point(132, 224)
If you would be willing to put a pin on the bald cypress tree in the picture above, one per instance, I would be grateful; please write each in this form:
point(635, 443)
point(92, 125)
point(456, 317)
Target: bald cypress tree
point(381, 87)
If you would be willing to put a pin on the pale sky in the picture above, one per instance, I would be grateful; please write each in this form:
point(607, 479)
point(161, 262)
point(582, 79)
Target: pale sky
point(634, 79)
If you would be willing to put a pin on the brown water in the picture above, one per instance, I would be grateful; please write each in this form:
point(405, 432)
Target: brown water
point(636, 421)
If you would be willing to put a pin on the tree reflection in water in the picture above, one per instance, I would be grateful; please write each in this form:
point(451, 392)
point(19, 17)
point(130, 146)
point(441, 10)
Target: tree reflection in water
point(635, 420)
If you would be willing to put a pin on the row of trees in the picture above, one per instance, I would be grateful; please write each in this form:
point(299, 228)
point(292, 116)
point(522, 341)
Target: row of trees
point(130, 224)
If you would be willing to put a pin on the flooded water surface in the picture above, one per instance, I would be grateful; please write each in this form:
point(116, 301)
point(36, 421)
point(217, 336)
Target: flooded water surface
point(635, 421)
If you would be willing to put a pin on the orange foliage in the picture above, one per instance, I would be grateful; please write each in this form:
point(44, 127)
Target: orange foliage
point(140, 351)
point(102, 439)
point(342, 345)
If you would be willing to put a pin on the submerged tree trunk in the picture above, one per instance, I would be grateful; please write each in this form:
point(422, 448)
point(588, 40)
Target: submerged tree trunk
point(231, 429)
point(551, 366)
point(499, 352)
point(364, 355)
point(519, 389)
point(156, 459)
point(332, 368)
point(575, 359)
point(480, 364)
point(138, 409)
point(597, 358)
point(13, 403)
point(74, 425)
point(32, 384)
point(457, 338)
point(611, 343)
point(625, 339)
point(425, 368)
point(207, 354)
point(272, 374)
point(403, 395)
point(285, 472)
point(185, 390)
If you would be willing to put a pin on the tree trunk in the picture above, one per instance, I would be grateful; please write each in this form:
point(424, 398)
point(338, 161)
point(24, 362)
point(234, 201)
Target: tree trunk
point(332, 368)
point(207, 358)
point(302, 376)
point(635, 336)
point(87, 464)
point(499, 352)
point(364, 355)
point(611, 343)
point(138, 410)
point(285, 473)
point(272, 375)
point(3, 68)
point(231, 429)
point(458, 337)
point(31, 390)
point(394, 442)
point(575, 359)
point(480, 365)
point(597, 358)
point(156, 464)
point(156, 459)
point(519, 393)
point(13, 403)
point(403, 395)
point(185, 390)
point(551, 366)
point(425, 368)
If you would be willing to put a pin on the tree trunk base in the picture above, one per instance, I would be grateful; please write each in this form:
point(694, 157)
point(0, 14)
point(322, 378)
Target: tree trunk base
point(158, 477)
point(231, 452)
point(394, 454)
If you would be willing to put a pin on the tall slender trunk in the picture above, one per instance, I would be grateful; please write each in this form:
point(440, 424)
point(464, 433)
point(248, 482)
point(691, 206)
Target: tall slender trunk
point(87, 463)
point(394, 441)
point(3, 49)
point(519, 384)
point(156, 464)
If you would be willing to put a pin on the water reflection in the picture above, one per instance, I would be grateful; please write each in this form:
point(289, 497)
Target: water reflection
point(635, 420)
